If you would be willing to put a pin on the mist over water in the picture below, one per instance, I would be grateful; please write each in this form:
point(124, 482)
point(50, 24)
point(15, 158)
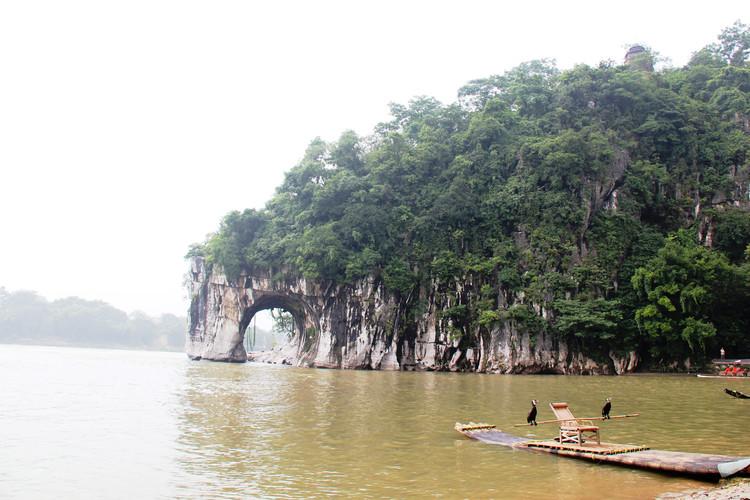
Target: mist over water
point(92, 423)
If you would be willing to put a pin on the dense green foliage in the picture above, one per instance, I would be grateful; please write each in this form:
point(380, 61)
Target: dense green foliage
point(543, 197)
point(25, 317)
point(690, 294)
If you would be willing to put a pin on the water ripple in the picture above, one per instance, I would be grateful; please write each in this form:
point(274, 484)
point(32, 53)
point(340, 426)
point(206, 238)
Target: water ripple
point(119, 424)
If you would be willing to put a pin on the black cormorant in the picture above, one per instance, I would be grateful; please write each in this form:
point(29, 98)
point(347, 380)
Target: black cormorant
point(607, 408)
point(531, 419)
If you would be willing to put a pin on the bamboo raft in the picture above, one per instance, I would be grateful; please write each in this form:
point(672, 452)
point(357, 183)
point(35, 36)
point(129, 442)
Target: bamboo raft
point(736, 394)
point(698, 465)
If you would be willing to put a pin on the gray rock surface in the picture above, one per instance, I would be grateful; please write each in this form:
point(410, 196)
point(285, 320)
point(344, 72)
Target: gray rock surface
point(362, 327)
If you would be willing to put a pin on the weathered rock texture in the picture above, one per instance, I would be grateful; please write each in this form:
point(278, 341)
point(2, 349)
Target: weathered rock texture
point(362, 327)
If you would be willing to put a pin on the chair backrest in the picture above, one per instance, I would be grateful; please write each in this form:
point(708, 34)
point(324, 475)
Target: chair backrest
point(562, 412)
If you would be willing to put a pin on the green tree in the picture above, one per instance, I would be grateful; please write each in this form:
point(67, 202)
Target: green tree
point(683, 288)
point(596, 321)
point(734, 44)
point(283, 322)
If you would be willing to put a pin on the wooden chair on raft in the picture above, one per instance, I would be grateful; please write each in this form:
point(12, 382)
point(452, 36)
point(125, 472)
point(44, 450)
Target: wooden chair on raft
point(573, 430)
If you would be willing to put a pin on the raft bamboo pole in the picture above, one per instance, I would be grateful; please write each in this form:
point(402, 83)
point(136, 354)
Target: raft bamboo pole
point(577, 418)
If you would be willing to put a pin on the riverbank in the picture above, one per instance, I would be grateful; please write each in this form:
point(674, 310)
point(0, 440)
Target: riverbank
point(88, 345)
point(285, 355)
point(733, 489)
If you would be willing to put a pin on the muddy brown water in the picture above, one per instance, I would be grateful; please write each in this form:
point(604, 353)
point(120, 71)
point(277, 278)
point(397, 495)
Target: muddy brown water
point(91, 423)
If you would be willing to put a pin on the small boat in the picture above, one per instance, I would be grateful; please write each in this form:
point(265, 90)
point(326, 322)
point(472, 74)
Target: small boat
point(736, 394)
point(729, 369)
point(579, 438)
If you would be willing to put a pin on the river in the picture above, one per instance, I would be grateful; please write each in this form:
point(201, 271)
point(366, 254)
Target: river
point(96, 423)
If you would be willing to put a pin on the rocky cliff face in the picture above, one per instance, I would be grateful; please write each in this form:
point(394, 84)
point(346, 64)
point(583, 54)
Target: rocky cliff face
point(362, 327)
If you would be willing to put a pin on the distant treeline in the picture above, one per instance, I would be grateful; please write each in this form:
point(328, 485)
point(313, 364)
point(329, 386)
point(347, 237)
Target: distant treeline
point(28, 318)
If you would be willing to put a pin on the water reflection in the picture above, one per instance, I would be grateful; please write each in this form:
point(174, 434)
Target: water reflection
point(259, 430)
point(86, 423)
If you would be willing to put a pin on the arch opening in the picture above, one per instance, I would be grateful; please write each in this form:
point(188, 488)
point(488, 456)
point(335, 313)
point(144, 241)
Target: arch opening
point(290, 323)
point(268, 329)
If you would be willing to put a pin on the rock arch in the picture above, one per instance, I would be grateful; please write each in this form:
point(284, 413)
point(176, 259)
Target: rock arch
point(334, 328)
point(360, 326)
point(221, 310)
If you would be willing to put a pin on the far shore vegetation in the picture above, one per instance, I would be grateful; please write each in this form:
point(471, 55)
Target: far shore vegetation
point(28, 318)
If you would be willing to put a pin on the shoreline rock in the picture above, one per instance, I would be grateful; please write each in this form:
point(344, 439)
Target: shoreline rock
point(732, 489)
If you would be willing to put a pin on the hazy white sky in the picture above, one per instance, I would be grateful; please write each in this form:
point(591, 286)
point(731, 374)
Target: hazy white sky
point(129, 128)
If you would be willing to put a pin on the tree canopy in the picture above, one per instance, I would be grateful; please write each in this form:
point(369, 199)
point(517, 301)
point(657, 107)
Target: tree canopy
point(612, 198)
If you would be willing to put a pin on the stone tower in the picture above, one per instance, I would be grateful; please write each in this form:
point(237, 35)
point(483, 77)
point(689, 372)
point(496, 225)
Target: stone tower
point(639, 58)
